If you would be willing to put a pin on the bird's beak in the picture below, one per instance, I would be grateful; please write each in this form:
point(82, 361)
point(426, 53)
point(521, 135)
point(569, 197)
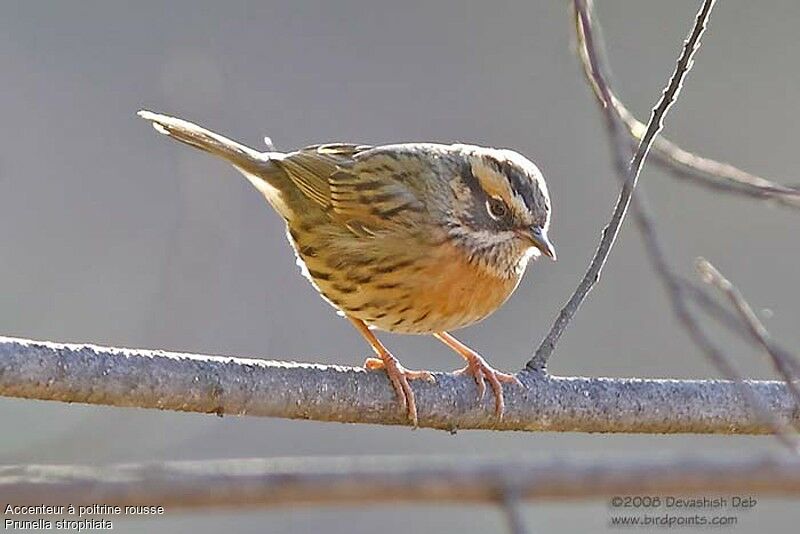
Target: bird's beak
point(539, 239)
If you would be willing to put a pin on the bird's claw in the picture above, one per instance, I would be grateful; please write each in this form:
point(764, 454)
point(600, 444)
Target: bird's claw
point(481, 372)
point(399, 377)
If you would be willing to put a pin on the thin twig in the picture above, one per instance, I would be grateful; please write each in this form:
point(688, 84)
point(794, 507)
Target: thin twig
point(709, 173)
point(236, 386)
point(684, 164)
point(364, 481)
point(646, 224)
point(538, 361)
point(679, 294)
point(733, 323)
point(631, 172)
point(785, 363)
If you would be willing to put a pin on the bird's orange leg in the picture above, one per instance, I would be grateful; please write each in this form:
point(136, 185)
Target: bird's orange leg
point(480, 370)
point(398, 375)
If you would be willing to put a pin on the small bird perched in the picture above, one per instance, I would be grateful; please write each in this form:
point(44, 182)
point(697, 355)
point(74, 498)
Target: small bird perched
point(412, 238)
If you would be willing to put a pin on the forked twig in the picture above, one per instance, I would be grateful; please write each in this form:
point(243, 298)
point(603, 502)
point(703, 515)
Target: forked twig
point(709, 173)
point(674, 285)
point(683, 164)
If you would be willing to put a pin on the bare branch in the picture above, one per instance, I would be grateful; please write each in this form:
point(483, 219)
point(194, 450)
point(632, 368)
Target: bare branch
point(673, 284)
point(235, 386)
point(687, 165)
point(631, 172)
point(679, 293)
point(786, 364)
point(367, 480)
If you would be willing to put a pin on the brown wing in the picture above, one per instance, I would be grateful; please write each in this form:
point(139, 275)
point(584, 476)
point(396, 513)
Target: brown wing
point(311, 168)
point(366, 198)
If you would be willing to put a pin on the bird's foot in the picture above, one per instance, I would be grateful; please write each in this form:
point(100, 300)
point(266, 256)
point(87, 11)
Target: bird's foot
point(481, 372)
point(399, 377)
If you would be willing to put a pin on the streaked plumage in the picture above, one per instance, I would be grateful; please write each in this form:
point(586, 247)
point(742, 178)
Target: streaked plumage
point(414, 238)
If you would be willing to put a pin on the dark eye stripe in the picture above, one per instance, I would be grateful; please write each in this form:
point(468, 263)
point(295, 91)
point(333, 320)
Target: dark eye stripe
point(521, 185)
point(480, 215)
point(472, 182)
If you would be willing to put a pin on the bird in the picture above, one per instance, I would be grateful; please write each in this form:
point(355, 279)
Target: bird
point(408, 238)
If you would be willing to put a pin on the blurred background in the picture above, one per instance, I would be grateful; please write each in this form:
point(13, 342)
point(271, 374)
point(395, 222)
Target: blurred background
point(115, 235)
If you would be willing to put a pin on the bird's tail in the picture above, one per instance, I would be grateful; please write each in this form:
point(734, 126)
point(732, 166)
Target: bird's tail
point(244, 158)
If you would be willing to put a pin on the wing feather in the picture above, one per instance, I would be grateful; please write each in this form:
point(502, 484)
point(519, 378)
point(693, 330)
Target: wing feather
point(366, 199)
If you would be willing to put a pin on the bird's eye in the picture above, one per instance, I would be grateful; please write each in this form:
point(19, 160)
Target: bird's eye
point(497, 208)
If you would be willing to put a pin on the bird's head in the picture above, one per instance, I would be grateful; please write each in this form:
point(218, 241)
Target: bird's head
point(502, 210)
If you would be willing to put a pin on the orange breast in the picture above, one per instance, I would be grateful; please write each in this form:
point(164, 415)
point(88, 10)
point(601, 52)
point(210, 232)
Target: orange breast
point(446, 293)
point(398, 283)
